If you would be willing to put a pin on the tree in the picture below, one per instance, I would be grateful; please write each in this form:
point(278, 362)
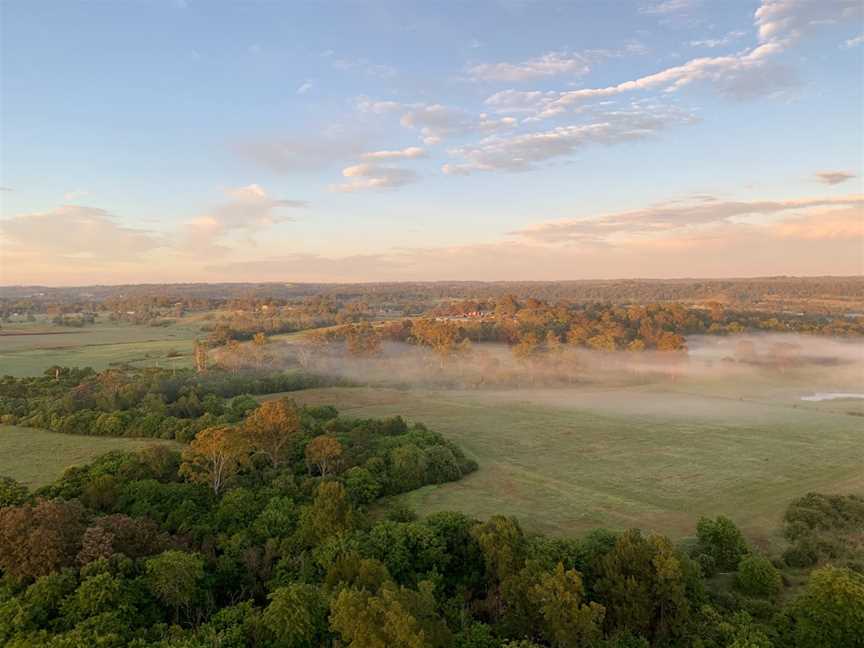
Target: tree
point(567, 621)
point(200, 353)
point(642, 586)
point(722, 541)
point(12, 493)
point(323, 452)
point(259, 347)
point(174, 576)
point(214, 456)
point(830, 612)
point(331, 512)
point(296, 616)
point(394, 616)
point(503, 545)
point(272, 428)
point(363, 341)
point(38, 539)
point(758, 577)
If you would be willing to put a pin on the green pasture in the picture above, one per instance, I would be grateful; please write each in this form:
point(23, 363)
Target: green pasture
point(654, 456)
point(30, 349)
point(36, 457)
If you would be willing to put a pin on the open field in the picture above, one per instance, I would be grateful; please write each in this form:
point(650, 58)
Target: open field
point(29, 349)
point(37, 457)
point(654, 456)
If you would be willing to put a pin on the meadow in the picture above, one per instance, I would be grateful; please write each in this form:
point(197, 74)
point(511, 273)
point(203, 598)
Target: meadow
point(28, 349)
point(37, 457)
point(655, 456)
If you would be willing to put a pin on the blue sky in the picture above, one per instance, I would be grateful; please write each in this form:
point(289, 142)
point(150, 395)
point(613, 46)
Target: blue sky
point(184, 140)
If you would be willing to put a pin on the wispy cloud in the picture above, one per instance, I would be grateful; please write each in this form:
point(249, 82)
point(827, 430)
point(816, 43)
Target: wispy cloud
point(361, 65)
point(752, 72)
point(75, 194)
point(304, 88)
point(302, 153)
point(665, 7)
point(711, 43)
point(854, 41)
point(523, 152)
point(363, 177)
point(248, 210)
point(548, 65)
point(409, 153)
point(670, 218)
point(833, 177)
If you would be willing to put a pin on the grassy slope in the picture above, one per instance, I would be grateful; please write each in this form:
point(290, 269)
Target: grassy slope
point(97, 346)
point(571, 459)
point(37, 457)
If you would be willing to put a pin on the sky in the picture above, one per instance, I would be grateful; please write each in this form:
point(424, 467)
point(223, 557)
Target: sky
point(190, 140)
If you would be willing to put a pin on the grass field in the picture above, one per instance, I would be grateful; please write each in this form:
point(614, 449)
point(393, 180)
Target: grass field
point(653, 456)
point(37, 457)
point(29, 349)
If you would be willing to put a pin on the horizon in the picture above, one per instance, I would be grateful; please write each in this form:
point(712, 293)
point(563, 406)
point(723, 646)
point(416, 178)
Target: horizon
point(286, 282)
point(370, 142)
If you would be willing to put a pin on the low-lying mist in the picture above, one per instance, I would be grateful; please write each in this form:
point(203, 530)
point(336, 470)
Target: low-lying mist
point(809, 364)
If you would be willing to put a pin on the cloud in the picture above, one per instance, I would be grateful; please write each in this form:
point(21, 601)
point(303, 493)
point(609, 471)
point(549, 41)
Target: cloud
point(737, 76)
point(718, 42)
point(410, 153)
point(361, 65)
point(789, 20)
point(671, 218)
point(76, 234)
point(548, 65)
point(248, 210)
point(843, 224)
point(304, 88)
point(372, 176)
point(833, 177)
point(855, 41)
point(5, 188)
point(303, 154)
point(367, 105)
point(743, 75)
point(668, 7)
point(436, 122)
point(69, 196)
point(525, 151)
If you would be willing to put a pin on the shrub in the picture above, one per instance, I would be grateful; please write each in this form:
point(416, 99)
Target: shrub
point(758, 577)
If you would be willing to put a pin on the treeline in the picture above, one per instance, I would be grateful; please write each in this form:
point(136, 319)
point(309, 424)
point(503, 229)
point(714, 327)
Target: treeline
point(138, 549)
point(150, 402)
point(533, 328)
point(818, 295)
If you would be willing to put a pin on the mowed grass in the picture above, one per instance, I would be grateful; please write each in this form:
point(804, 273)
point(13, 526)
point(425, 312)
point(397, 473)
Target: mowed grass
point(99, 346)
point(566, 460)
point(37, 457)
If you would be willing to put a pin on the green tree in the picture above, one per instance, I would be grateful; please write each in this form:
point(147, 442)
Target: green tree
point(642, 584)
point(758, 577)
point(394, 616)
point(296, 616)
point(830, 612)
point(568, 622)
point(722, 541)
point(174, 577)
point(12, 493)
